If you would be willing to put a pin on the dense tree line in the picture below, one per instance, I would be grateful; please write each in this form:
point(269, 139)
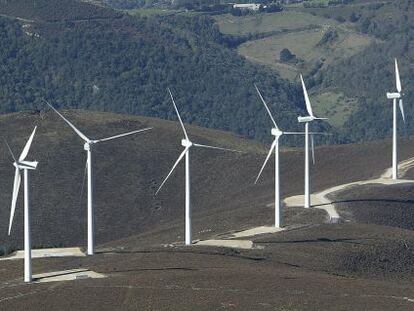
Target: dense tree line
point(126, 64)
point(47, 10)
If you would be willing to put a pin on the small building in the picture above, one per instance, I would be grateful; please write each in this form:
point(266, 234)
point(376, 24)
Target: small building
point(247, 6)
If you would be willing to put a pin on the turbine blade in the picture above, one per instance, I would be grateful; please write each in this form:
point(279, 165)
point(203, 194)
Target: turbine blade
point(293, 133)
point(16, 187)
point(303, 133)
point(84, 178)
point(173, 168)
point(313, 149)
point(397, 77)
point(122, 135)
point(267, 107)
point(320, 133)
point(83, 136)
point(217, 148)
point(267, 159)
point(26, 148)
point(307, 101)
point(11, 152)
point(178, 114)
point(402, 109)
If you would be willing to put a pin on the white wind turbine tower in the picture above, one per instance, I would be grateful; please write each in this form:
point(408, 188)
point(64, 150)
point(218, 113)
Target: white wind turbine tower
point(396, 96)
point(277, 133)
point(187, 144)
point(22, 164)
point(307, 120)
point(88, 147)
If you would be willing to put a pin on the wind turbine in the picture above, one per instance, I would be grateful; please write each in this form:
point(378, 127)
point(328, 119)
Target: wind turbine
point(307, 119)
point(394, 96)
point(187, 144)
point(277, 133)
point(22, 164)
point(88, 147)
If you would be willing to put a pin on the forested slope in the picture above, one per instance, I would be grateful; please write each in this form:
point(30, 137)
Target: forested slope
point(370, 74)
point(125, 65)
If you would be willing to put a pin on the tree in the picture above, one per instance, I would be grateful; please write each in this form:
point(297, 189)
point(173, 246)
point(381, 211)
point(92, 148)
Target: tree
point(286, 55)
point(353, 18)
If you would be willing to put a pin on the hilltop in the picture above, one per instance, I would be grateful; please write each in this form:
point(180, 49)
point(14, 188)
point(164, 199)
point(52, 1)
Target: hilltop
point(140, 236)
point(131, 169)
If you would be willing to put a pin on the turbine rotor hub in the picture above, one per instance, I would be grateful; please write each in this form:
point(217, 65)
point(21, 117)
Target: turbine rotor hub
point(186, 143)
point(276, 132)
point(28, 165)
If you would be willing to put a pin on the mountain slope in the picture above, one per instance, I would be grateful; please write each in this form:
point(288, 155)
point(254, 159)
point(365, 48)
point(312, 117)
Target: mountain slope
point(140, 237)
point(124, 64)
point(129, 171)
point(346, 53)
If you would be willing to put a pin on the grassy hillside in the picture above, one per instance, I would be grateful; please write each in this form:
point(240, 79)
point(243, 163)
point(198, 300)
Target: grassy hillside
point(262, 23)
point(316, 41)
point(368, 75)
point(355, 65)
point(139, 236)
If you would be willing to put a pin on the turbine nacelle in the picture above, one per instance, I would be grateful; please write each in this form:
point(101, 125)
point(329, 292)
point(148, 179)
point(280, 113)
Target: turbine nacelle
point(29, 165)
point(393, 95)
point(186, 143)
point(306, 119)
point(276, 132)
point(87, 146)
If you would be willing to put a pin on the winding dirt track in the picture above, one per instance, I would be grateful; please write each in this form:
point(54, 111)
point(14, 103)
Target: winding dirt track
point(321, 199)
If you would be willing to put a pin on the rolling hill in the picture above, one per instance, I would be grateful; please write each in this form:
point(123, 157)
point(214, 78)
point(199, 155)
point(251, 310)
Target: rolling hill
point(223, 181)
point(308, 266)
point(102, 61)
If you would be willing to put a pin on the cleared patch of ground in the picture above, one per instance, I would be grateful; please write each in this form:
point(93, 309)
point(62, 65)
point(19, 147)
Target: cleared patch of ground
point(308, 48)
point(48, 252)
point(334, 105)
point(316, 41)
point(260, 23)
point(66, 275)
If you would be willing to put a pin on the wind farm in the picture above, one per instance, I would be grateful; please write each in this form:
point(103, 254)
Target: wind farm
point(166, 166)
point(235, 213)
